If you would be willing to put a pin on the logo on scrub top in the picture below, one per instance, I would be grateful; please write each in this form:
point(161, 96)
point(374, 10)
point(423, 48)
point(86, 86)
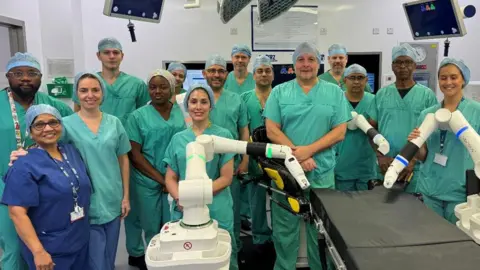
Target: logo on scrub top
point(427, 7)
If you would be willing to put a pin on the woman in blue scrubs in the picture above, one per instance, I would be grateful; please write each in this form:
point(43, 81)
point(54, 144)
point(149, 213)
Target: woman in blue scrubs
point(199, 101)
point(48, 196)
point(442, 176)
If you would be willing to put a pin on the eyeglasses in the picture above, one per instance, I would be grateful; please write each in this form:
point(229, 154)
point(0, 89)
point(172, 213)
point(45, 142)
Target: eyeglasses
point(20, 74)
point(261, 71)
point(403, 62)
point(356, 78)
point(212, 71)
point(39, 126)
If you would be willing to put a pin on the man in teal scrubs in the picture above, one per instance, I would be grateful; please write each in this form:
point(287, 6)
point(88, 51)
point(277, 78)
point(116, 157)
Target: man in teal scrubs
point(395, 110)
point(124, 93)
point(230, 113)
point(356, 160)
point(240, 80)
point(24, 78)
point(310, 116)
point(150, 129)
point(337, 59)
point(255, 100)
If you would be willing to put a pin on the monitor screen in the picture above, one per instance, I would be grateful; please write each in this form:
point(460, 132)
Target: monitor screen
point(194, 72)
point(372, 63)
point(421, 78)
point(434, 19)
point(284, 73)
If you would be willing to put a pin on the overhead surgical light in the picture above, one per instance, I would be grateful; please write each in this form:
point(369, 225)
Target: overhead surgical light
point(230, 8)
point(268, 9)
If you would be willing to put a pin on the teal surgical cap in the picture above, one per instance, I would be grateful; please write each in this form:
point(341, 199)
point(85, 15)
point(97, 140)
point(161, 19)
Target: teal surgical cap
point(337, 49)
point(262, 60)
point(95, 75)
point(109, 43)
point(404, 50)
point(177, 66)
point(23, 60)
point(196, 86)
point(460, 65)
point(216, 60)
point(167, 75)
point(305, 48)
point(241, 48)
point(355, 68)
point(36, 110)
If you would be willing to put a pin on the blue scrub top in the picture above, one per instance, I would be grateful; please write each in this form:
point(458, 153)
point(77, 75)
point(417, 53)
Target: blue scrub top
point(36, 181)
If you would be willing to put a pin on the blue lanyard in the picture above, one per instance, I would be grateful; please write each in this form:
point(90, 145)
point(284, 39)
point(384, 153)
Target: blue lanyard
point(443, 133)
point(75, 188)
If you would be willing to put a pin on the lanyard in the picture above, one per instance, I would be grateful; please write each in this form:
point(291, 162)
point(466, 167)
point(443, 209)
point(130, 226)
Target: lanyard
point(75, 189)
point(443, 133)
point(16, 123)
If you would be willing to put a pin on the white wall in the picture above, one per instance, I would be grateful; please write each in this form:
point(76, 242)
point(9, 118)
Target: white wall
point(27, 11)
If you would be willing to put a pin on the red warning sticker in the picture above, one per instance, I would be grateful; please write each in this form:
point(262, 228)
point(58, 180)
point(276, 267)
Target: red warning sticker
point(187, 245)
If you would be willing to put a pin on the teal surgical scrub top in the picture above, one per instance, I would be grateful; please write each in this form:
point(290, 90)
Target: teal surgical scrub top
point(356, 159)
point(100, 153)
point(232, 85)
point(148, 128)
point(230, 112)
point(305, 118)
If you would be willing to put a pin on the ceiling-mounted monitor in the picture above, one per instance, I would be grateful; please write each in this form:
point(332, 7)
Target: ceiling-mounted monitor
point(140, 10)
point(431, 19)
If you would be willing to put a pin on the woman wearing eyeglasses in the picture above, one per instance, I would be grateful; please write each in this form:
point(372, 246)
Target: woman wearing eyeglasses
point(48, 196)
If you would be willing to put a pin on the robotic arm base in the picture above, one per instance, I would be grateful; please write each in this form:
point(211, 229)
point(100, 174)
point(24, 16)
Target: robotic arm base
point(468, 215)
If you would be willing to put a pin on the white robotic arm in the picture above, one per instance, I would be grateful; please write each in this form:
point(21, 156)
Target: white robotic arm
point(196, 242)
point(359, 121)
point(444, 120)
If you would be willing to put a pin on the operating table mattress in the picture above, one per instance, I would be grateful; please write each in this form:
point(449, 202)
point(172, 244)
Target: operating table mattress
point(371, 233)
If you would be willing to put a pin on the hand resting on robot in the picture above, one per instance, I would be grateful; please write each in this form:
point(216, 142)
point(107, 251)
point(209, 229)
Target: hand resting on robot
point(445, 120)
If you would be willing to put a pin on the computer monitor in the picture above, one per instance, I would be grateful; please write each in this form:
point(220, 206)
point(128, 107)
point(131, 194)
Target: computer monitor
point(431, 19)
point(372, 62)
point(141, 10)
point(285, 72)
point(194, 71)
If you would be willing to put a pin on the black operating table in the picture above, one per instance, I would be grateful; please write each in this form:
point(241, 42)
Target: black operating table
point(368, 233)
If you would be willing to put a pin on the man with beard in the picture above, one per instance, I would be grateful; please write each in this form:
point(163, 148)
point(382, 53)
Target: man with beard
point(255, 101)
point(310, 116)
point(396, 108)
point(337, 59)
point(24, 79)
point(231, 113)
point(240, 80)
point(124, 93)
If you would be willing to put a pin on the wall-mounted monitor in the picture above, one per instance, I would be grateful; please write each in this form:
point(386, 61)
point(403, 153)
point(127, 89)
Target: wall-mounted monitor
point(194, 71)
point(285, 72)
point(372, 62)
point(431, 19)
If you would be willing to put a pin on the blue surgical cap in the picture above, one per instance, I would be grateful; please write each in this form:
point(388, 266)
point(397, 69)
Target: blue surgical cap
point(167, 75)
point(241, 48)
point(337, 49)
point(77, 79)
point(262, 60)
point(23, 60)
point(109, 43)
point(199, 86)
point(36, 110)
point(216, 60)
point(355, 68)
point(304, 48)
point(177, 66)
point(460, 65)
point(404, 50)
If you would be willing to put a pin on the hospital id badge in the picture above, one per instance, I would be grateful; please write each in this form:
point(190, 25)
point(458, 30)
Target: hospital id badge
point(77, 214)
point(440, 159)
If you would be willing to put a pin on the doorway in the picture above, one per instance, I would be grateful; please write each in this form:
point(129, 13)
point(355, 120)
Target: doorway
point(12, 40)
